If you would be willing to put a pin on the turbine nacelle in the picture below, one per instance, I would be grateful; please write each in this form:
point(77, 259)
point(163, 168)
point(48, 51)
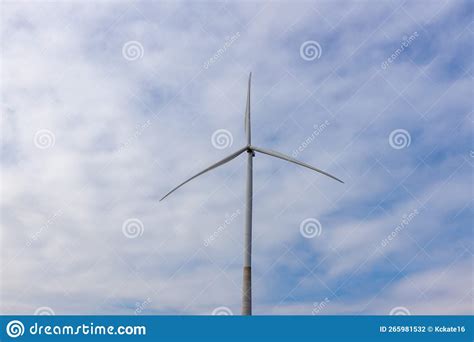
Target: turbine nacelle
point(250, 149)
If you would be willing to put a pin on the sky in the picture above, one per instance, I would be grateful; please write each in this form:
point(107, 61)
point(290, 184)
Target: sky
point(108, 105)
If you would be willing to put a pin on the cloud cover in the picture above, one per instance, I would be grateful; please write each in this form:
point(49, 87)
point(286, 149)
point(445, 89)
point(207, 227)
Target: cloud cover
point(123, 127)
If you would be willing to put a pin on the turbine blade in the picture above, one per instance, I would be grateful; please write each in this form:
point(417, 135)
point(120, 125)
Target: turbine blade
point(292, 160)
point(213, 166)
point(247, 112)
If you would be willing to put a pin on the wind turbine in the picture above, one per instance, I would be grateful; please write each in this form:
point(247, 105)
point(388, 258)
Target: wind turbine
point(250, 149)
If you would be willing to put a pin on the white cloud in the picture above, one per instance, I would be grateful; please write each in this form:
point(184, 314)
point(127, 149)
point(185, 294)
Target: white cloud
point(126, 131)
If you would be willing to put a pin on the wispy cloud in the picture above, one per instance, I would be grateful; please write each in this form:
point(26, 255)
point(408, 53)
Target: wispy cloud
point(108, 105)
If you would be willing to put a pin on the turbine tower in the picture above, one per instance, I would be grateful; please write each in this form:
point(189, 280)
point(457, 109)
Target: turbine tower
point(250, 149)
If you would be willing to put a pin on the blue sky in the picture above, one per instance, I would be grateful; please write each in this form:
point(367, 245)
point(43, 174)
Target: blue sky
point(108, 105)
